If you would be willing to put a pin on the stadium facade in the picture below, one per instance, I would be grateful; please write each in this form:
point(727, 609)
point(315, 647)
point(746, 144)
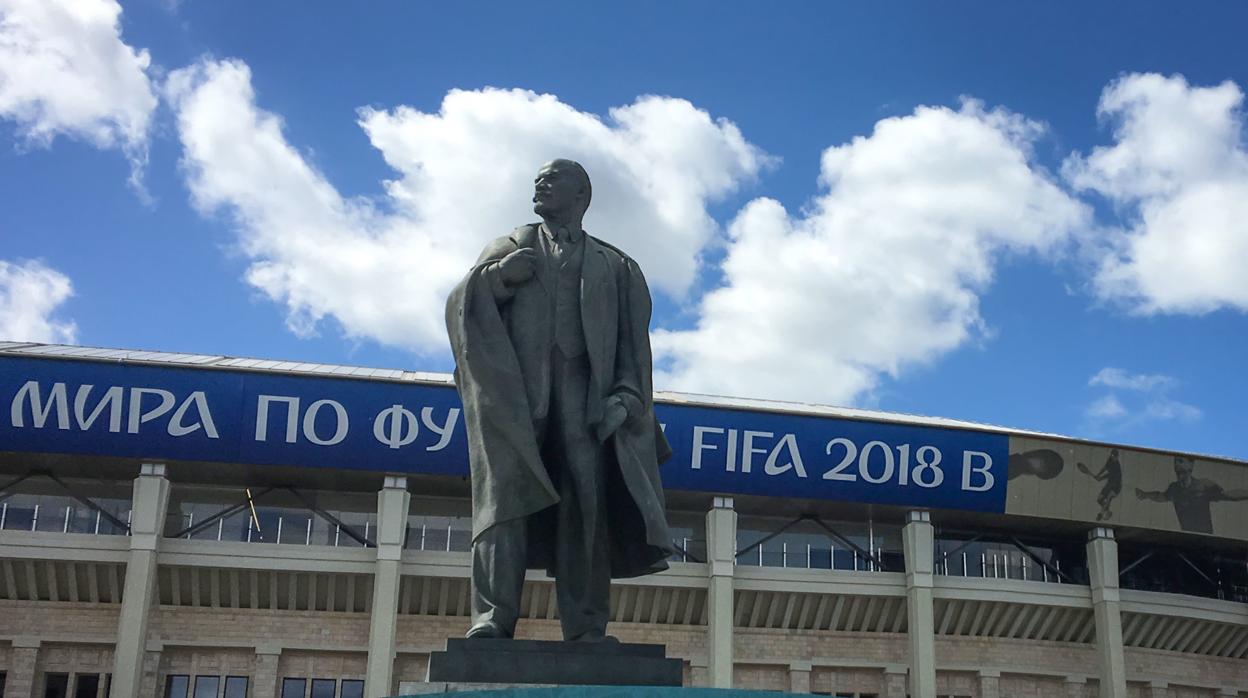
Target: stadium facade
point(182, 525)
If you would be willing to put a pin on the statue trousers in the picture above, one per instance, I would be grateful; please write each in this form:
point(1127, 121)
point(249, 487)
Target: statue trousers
point(577, 463)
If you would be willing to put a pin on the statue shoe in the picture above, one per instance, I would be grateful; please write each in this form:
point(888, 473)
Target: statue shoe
point(487, 629)
point(597, 638)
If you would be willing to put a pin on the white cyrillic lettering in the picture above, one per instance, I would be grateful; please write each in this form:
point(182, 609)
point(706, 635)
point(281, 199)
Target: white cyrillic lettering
point(292, 417)
point(699, 446)
point(309, 423)
point(138, 416)
point(200, 401)
point(788, 442)
point(748, 450)
point(112, 399)
point(403, 428)
point(968, 468)
point(444, 431)
point(38, 411)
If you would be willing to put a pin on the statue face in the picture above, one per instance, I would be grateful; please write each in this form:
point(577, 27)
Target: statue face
point(556, 191)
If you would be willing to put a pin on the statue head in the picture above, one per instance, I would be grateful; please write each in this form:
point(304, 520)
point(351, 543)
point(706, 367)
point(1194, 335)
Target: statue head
point(562, 190)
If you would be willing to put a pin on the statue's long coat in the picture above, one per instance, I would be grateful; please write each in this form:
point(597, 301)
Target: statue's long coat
point(502, 369)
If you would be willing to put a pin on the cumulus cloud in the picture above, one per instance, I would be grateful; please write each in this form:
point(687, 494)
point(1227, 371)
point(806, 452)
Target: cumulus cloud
point(1178, 171)
point(382, 268)
point(883, 270)
point(1149, 398)
point(1111, 377)
point(30, 293)
point(64, 70)
point(1107, 407)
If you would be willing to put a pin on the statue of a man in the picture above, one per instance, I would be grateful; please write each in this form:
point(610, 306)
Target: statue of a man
point(550, 332)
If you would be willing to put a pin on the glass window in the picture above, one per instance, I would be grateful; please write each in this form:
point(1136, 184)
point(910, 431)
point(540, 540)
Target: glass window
point(86, 685)
point(350, 689)
point(294, 688)
point(55, 685)
point(207, 686)
point(323, 688)
point(235, 687)
point(176, 686)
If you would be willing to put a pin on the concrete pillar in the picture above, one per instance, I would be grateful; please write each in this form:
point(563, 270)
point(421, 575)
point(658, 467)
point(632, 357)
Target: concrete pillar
point(1103, 569)
point(989, 683)
point(799, 677)
point(147, 523)
point(149, 686)
point(917, 542)
point(267, 657)
point(698, 675)
point(1157, 689)
point(392, 505)
point(721, 558)
point(20, 682)
point(1076, 686)
point(895, 681)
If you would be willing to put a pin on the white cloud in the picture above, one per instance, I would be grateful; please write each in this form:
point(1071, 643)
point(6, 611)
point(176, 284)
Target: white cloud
point(30, 293)
point(64, 70)
point(1107, 407)
point(383, 269)
point(1166, 409)
point(1149, 401)
point(1178, 170)
point(1111, 377)
point(885, 268)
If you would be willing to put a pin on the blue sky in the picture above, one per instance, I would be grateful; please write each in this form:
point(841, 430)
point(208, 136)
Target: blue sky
point(1026, 215)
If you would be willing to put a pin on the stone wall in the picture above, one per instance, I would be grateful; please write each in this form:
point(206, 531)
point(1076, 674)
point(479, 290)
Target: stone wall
point(37, 637)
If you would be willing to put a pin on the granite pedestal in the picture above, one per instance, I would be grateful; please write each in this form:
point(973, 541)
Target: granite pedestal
point(481, 660)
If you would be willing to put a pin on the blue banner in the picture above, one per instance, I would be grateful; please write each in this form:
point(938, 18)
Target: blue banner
point(236, 416)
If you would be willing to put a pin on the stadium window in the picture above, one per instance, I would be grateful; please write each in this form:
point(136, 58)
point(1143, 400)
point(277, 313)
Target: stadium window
point(176, 685)
point(235, 687)
point(86, 685)
point(351, 688)
point(207, 686)
point(2, 682)
point(55, 685)
point(294, 688)
point(323, 688)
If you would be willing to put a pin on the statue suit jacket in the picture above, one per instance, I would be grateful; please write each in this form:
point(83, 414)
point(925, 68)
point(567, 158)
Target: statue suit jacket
point(502, 338)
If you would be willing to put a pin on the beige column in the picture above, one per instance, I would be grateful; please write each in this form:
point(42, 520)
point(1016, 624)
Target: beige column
point(698, 675)
point(392, 505)
point(148, 684)
point(917, 542)
point(721, 558)
point(895, 681)
point(267, 657)
point(20, 682)
point(989, 684)
point(1103, 569)
point(147, 521)
point(799, 677)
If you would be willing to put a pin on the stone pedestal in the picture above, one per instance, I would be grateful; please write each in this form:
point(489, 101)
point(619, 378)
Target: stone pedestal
point(486, 661)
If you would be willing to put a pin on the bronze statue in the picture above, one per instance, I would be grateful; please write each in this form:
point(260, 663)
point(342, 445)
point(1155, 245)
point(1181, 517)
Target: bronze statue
point(550, 333)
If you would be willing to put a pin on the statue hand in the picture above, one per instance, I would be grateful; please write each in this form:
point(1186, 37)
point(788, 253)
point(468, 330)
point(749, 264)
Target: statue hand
point(612, 417)
point(518, 267)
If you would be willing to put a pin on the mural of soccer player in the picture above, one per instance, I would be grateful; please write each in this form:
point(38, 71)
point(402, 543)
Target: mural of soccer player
point(1192, 496)
point(1111, 475)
